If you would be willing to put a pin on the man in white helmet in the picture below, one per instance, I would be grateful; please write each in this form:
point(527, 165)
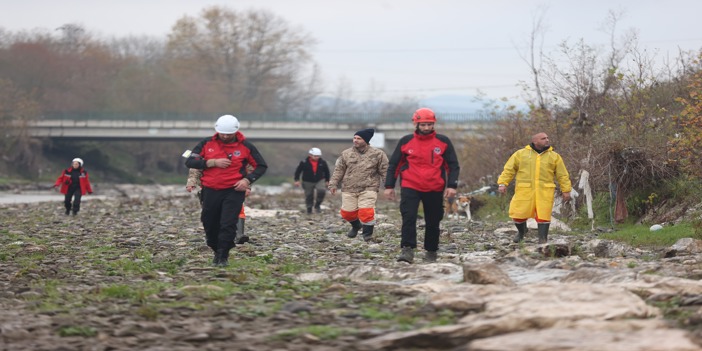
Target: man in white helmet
point(223, 159)
point(315, 178)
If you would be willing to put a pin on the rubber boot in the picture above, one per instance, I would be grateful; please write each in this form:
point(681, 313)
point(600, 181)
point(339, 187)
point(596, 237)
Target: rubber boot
point(240, 236)
point(355, 227)
point(521, 231)
point(407, 255)
point(367, 233)
point(543, 232)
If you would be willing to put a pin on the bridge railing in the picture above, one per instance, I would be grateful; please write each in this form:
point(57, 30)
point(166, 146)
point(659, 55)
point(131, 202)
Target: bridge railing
point(311, 117)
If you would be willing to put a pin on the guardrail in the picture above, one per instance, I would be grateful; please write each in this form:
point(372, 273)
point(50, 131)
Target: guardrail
point(195, 130)
point(310, 117)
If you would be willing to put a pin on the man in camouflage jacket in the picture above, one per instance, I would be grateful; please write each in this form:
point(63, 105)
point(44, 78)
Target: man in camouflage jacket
point(361, 170)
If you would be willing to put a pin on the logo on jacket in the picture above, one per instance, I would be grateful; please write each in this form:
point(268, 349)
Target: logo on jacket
point(410, 151)
point(437, 150)
point(210, 150)
point(237, 153)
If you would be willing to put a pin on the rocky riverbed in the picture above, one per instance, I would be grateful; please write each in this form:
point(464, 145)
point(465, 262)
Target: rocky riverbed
point(132, 272)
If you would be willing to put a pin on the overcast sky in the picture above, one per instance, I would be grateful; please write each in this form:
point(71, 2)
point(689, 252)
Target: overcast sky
point(406, 47)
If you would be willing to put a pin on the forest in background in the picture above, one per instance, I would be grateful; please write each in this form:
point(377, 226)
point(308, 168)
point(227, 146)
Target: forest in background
point(630, 118)
point(218, 62)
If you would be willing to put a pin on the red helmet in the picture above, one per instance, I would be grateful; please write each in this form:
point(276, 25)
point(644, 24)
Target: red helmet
point(424, 115)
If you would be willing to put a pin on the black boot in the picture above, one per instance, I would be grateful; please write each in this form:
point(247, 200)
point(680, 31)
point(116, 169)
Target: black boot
point(355, 227)
point(521, 231)
point(240, 236)
point(543, 232)
point(221, 258)
point(367, 233)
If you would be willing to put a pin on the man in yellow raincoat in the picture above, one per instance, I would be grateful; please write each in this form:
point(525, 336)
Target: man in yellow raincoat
point(536, 168)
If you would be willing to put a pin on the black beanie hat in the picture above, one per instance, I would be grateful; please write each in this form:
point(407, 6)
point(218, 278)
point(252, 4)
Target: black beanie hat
point(366, 134)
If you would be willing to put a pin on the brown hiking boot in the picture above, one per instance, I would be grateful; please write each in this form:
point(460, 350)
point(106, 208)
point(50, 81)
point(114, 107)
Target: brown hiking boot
point(407, 255)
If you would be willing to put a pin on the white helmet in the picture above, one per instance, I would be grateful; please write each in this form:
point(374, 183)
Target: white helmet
point(227, 124)
point(315, 152)
point(78, 160)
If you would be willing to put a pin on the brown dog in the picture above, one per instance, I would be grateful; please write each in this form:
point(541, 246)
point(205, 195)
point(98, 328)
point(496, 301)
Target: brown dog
point(454, 207)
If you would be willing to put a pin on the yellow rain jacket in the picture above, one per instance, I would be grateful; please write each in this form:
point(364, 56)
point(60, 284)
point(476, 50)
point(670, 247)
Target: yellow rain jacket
point(535, 184)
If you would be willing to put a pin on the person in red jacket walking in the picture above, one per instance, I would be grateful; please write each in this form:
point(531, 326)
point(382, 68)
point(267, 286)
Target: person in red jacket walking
point(315, 178)
point(428, 167)
point(223, 159)
point(74, 184)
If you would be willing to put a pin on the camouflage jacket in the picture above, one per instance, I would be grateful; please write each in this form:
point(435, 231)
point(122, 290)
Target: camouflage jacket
point(359, 172)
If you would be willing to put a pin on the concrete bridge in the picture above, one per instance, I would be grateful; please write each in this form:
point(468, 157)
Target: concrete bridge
point(283, 131)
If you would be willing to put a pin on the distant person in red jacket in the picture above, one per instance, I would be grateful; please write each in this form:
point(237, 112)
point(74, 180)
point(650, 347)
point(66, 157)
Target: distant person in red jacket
point(427, 165)
point(223, 159)
point(74, 183)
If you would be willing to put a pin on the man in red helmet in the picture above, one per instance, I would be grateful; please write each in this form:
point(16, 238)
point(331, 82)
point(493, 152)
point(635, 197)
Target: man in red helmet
point(428, 167)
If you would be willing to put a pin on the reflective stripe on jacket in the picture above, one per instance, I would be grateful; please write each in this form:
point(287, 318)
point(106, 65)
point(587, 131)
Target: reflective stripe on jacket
point(241, 152)
point(64, 180)
point(424, 163)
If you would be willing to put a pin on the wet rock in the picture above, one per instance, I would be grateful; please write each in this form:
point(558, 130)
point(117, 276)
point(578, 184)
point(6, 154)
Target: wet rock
point(297, 307)
point(555, 249)
point(524, 308)
point(488, 273)
point(586, 340)
point(684, 247)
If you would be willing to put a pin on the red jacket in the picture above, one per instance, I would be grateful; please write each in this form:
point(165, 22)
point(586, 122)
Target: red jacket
point(241, 152)
point(424, 163)
point(64, 180)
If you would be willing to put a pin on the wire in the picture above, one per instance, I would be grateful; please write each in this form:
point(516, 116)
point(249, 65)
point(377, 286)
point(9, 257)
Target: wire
point(486, 48)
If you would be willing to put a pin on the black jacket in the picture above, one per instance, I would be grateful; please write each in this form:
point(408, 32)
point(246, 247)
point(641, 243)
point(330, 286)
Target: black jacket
point(305, 167)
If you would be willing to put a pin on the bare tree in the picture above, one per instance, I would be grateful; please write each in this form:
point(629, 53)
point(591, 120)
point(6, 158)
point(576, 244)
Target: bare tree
point(247, 58)
point(17, 110)
point(534, 55)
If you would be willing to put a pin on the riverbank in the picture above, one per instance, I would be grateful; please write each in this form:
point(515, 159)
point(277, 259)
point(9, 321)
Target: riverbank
point(134, 273)
point(37, 193)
